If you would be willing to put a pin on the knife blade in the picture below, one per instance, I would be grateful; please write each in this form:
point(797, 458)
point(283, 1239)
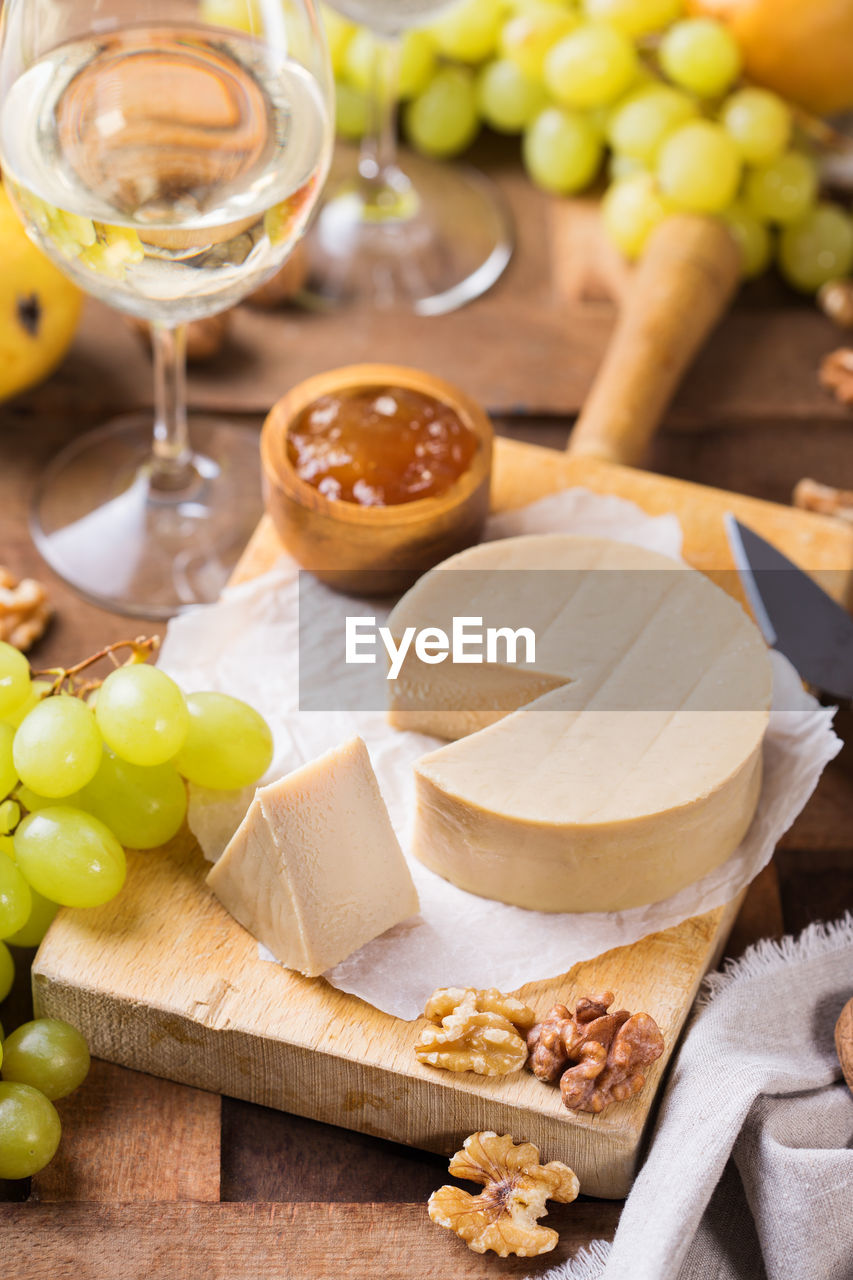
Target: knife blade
point(794, 614)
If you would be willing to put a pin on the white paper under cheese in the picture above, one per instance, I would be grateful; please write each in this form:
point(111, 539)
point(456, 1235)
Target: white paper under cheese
point(314, 871)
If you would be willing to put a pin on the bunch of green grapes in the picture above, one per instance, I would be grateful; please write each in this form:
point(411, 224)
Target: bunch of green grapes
point(80, 779)
point(635, 80)
point(41, 1061)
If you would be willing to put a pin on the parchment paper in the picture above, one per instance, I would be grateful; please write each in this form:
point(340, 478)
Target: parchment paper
point(247, 645)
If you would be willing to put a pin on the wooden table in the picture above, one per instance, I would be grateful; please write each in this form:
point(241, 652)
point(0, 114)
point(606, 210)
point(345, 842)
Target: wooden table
point(157, 1181)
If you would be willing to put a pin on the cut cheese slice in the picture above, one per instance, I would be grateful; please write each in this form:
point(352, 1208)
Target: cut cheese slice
point(637, 774)
point(314, 871)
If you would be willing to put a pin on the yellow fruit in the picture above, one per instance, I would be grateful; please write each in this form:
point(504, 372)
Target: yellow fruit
point(39, 308)
point(801, 48)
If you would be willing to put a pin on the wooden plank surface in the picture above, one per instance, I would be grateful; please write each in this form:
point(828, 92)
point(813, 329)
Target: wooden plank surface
point(227, 1021)
point(273, 1241)
point(144, 1122)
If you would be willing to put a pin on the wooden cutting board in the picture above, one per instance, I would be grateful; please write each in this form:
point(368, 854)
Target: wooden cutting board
point(163, 980)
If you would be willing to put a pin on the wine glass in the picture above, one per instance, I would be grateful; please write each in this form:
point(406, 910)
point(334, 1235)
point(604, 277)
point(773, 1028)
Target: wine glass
point(168, 165)
point(405, 233)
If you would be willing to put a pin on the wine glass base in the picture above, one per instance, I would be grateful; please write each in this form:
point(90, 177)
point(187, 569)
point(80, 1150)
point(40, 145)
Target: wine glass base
point(131, 547)
point(439, 246)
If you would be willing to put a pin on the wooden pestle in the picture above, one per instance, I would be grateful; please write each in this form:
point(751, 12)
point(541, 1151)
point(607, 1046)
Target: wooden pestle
point(681, 287)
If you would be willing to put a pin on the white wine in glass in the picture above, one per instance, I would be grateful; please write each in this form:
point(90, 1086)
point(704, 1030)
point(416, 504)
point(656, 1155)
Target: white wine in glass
point(168, 166)
point(403, 232)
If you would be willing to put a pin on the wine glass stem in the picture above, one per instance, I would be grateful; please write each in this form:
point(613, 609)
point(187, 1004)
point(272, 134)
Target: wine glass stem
point(377, 164)
point(171, 460)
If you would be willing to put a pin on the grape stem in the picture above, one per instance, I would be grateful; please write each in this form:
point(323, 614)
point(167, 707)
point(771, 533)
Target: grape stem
point(141, 649)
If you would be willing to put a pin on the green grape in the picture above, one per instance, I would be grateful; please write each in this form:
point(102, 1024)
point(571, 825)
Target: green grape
point(619, 167)
point(443, 120)
point(635, 17)
point(701, 55)
point(143, 808)
point(47, 1054)
point(242, 15)
point(40, 920)
point(753, 239)
point(70, 857)
point(759, 122)
point(417, 64)
point(468, 31)
point(527, 38)
point(57, 747)
point(7, 846)
point(507, 99)
point(352, 112)
point(38, 690)
point(631, 210)
point(524, 6)
point(15, 899)
point(817, 249)
point(416, 68)
point(29, 1130)
point(591, 67)
point(31, 801)
point(14, 678)
point(638, 127)
point(8, 772)
point(339, 32)
point(142, 715)
point(7, 971)
point(699, 167)
point(782, 191)
point(229, 745)
point(10, 816)
point(359, 63)
point(562, 151)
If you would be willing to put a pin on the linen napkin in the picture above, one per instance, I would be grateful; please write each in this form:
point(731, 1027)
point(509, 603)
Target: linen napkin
point(750, 1171)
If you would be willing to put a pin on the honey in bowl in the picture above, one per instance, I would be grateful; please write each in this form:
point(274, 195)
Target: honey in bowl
point(380, 446)
point(378, 469)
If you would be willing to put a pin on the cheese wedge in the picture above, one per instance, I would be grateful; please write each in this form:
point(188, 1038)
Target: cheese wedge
point(636, 775)
point(314, 871)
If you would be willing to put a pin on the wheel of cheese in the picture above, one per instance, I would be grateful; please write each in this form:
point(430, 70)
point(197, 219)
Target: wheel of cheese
point(635, 774)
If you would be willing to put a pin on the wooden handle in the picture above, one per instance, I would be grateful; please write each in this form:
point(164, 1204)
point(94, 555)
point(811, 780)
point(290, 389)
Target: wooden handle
point(682, 286)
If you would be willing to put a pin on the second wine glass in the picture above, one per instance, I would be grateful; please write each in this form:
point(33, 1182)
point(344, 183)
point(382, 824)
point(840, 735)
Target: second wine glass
point(403, 232)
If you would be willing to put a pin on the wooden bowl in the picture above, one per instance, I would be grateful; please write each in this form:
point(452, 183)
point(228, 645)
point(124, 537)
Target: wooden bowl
point(342, 542)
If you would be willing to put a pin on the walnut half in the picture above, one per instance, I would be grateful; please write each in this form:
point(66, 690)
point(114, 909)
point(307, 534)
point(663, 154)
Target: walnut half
point(477, 1031)
point(24, 610)
point(599, 1057)
point(503, 1217)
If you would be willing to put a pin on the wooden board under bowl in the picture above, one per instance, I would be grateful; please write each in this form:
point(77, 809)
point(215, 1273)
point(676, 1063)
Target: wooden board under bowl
point(163, 980)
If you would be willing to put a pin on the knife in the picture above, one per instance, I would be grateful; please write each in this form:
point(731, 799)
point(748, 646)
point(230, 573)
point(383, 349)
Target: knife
point(794, 614)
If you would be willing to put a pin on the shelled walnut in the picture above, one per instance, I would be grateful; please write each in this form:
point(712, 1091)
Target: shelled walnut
point(447, 999)
point(836, 374)
point(503, 1217)
point(476, 1031)
point(598, 1057)
point(24, 610)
